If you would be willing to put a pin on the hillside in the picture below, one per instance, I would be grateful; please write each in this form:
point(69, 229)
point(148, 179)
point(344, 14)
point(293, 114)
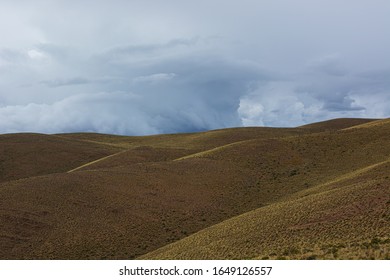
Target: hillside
point(337, 124)
point(215, 194)
point(348, 218)
point(29, 154)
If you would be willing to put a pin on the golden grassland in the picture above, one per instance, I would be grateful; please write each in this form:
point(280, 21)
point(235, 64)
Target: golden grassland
point(318, 191)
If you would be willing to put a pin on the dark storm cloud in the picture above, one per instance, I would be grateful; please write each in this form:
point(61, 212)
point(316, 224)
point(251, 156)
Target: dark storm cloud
point(197, 93)
point(141, 67)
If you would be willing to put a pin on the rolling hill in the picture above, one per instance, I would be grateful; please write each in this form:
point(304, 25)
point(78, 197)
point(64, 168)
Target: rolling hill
point(316, 191)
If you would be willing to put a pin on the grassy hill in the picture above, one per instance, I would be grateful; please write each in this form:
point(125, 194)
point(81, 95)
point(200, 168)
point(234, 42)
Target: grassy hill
point(29, 154)
point(347, 218)
point(317, 191)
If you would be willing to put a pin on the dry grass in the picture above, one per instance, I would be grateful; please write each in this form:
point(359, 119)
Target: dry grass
point(234, 193)
point(349, 219)
point(28, 154)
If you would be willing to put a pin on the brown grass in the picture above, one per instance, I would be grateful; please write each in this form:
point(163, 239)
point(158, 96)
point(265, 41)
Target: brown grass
point(349, 219)
point(235, 193)
point(29, 154)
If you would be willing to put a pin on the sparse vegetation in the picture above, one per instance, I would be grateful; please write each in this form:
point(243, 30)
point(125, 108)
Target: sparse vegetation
point(315, 192)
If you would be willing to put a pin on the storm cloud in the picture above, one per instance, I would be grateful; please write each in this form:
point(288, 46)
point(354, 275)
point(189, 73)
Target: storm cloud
point(144, 67)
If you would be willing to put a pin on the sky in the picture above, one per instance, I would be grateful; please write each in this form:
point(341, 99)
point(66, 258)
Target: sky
point(141, 67)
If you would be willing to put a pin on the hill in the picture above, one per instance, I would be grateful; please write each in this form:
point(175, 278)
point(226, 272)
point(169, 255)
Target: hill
point(29, 154)
point(201, 195)
point(347, 218)
point(337, 124)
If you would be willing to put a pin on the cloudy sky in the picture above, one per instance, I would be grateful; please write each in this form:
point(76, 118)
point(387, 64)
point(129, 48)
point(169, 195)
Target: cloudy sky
point(145, 67)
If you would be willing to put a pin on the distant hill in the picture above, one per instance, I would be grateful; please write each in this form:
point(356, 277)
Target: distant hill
point(337, 124)
point(317, 191)
point(29, 154)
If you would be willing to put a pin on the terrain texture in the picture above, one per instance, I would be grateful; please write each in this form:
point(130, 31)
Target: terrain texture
point(320, 191)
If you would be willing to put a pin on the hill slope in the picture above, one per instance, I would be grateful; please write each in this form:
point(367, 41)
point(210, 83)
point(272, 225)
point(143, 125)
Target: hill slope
point(348, 218)
point(154, 196)
point(30, 154)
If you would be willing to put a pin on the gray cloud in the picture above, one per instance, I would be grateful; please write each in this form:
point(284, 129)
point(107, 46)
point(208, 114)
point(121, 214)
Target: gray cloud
point(327, 65)
point(66, 82)
point(342, 104)
point(136, 68)
point(148, 49)
point(196, 95)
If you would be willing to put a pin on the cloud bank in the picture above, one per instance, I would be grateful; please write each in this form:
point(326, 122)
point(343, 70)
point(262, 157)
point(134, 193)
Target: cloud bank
point(132, 68)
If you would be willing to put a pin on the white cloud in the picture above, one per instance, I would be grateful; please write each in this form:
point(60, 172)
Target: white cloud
point(102, 112)
point(36, 54)
point(251, 113)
